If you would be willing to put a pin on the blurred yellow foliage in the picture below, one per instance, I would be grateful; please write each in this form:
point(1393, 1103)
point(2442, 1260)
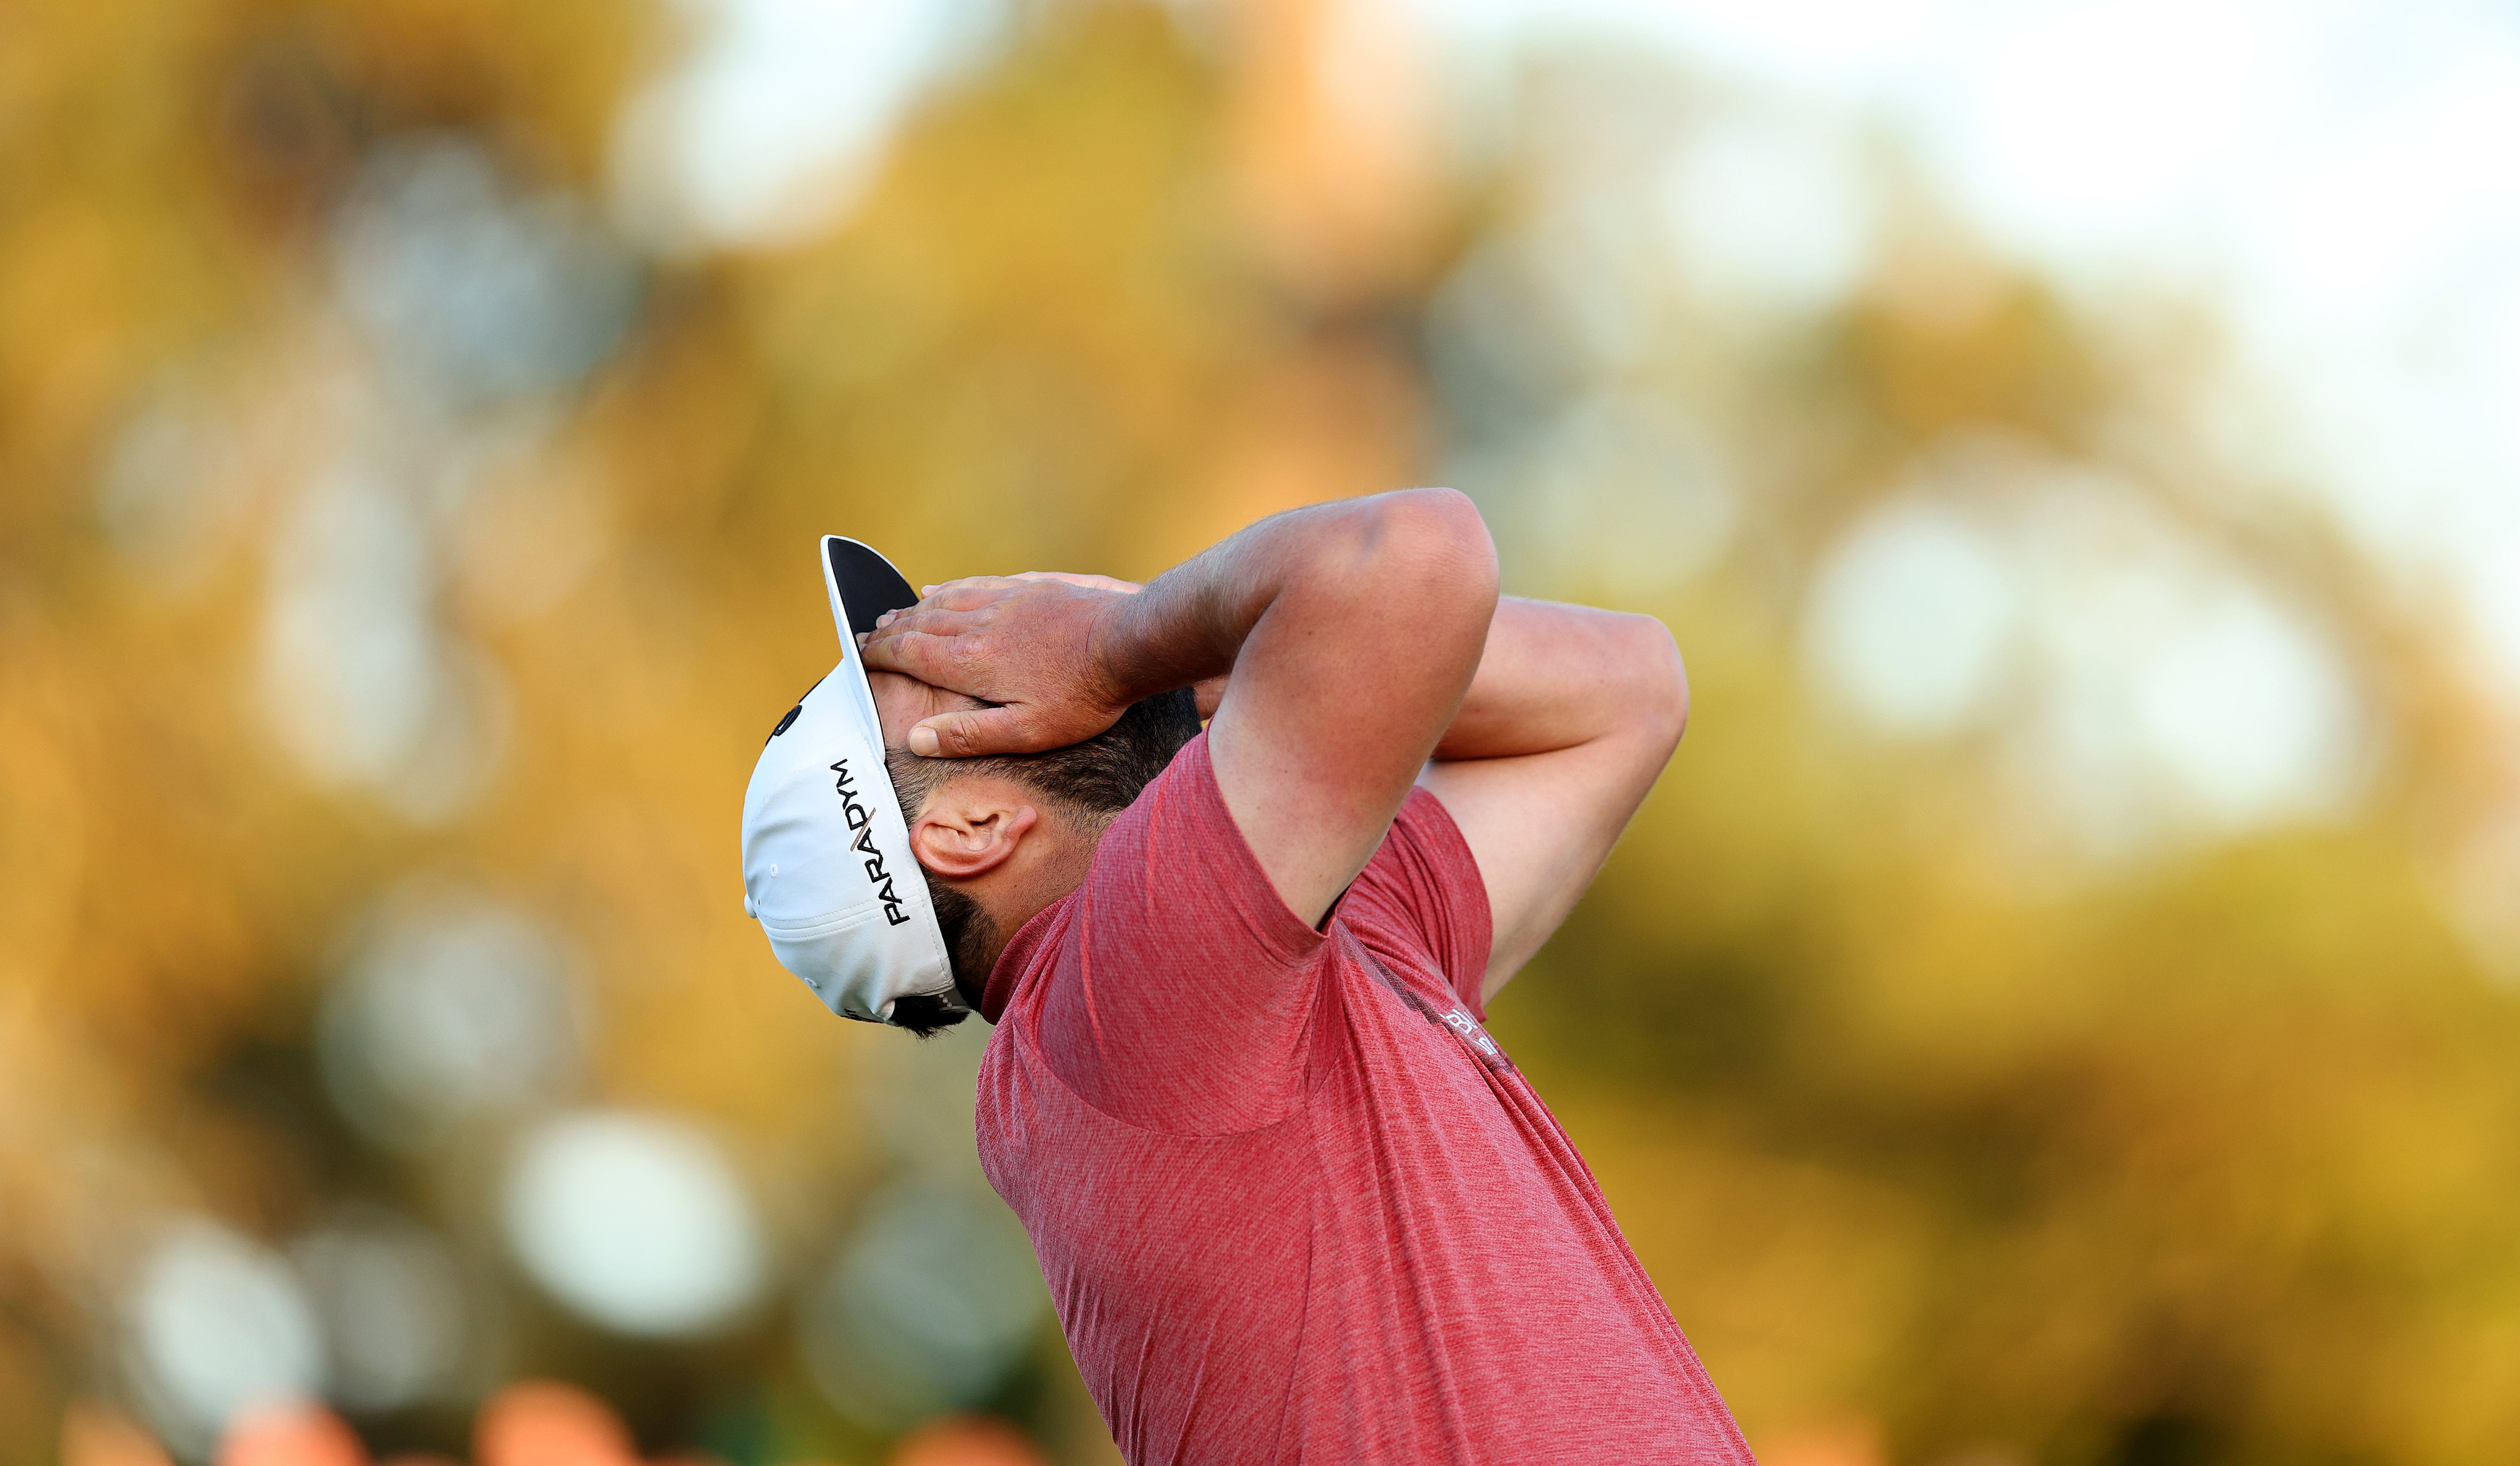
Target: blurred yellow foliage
point(1946, 1142)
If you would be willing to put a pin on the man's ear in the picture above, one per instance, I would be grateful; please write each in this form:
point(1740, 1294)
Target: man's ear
point(960, 835)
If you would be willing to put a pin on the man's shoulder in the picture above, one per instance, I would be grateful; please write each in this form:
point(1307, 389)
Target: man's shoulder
point(1181, 809)
point(1177, 853)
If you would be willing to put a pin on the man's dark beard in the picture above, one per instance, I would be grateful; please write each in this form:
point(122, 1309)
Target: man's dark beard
point(968, 935)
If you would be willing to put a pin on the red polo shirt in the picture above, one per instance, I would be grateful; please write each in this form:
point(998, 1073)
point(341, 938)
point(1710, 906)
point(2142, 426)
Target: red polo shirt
point(1292, 1202)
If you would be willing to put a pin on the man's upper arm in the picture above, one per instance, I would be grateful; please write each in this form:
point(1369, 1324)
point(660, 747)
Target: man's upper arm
point(1178, 1003)
point(1540, 824)
point(1344, 685)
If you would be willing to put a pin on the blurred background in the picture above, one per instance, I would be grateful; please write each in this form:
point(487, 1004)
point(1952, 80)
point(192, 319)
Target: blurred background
point(2059, 1008)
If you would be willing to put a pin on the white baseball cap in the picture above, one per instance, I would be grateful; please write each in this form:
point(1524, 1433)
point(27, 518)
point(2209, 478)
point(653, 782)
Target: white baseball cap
point(827, 865)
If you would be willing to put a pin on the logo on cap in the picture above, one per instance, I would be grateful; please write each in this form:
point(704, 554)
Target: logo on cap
point(862, 820)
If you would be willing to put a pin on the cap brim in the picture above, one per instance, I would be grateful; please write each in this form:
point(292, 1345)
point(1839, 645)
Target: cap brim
point(863, 587)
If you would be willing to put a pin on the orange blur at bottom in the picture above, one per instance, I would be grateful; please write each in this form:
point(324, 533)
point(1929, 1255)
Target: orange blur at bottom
point(536, 1422)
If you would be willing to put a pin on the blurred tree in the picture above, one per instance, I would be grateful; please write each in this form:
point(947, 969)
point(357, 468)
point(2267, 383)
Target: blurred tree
point(1948, 1138)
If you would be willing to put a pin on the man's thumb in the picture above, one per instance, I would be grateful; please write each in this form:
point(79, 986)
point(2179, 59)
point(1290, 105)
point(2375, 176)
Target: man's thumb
point(967, 735)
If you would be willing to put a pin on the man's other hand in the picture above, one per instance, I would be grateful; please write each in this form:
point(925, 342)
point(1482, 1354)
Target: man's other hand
point(1024, 643)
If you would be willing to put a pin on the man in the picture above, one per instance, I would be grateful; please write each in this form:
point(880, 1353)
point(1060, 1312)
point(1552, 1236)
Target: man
point(1292, 1202)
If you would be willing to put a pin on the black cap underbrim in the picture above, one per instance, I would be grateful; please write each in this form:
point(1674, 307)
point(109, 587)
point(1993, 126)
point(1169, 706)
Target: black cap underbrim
point(868, 584)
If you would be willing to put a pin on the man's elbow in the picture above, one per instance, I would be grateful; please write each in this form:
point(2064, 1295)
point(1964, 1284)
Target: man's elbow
point(1431, 545)
point(1658, 689)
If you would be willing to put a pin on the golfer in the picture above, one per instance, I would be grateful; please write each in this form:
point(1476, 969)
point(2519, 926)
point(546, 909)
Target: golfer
point(1293, 1203)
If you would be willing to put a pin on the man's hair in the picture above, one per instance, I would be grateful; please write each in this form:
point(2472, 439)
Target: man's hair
point(1088, 782)
point(924, 1016)
point(1095, 779)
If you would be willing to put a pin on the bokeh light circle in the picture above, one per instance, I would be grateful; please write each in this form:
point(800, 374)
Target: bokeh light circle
point(217, 1325)
point(635, 1221)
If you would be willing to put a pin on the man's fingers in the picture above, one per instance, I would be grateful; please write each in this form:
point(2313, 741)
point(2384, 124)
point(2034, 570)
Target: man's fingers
point(929, 620)
point(1089, 583)
point(917, 654)
point(954, 595)
point(923, 608)
point(967, 592)
point(971, 734)
point(945, 649)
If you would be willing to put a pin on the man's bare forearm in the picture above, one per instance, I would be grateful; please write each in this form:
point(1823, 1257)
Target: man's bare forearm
point(1352, 631)
point(1550, 678)
point(1570, 719)
point(1354, 626)
point(1555, 676)
point(1189, 624)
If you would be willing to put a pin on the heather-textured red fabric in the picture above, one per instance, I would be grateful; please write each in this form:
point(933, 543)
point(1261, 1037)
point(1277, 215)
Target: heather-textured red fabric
point(1292, 1202)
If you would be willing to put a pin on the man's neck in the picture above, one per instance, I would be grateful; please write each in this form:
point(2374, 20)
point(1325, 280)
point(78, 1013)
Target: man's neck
point(1043, 874)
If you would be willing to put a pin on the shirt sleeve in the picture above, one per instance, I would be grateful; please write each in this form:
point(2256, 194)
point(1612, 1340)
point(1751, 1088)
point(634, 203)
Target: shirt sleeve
point(1423, 891)
point(1183, 995)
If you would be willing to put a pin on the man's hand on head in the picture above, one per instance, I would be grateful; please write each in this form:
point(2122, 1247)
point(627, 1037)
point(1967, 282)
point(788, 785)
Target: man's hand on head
point(1069, 577)
point(1025, 644)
